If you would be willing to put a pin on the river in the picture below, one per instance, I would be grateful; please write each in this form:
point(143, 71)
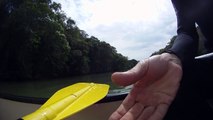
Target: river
point(45, 88)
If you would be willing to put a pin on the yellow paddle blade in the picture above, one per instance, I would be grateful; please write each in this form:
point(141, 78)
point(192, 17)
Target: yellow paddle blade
point(91, 96)
point(69, 100)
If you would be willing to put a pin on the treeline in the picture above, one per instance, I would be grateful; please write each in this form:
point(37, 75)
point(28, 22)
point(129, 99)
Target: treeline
point(37, 40)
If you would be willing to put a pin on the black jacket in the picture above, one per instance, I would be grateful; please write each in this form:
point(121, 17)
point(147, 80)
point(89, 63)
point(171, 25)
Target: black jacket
point(189, 14)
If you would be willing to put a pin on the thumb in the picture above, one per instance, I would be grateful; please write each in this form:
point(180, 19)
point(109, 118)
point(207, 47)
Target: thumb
point(131, 76)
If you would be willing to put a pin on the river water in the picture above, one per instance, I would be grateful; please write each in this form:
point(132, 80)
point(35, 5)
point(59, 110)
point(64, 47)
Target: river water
point(46, 88)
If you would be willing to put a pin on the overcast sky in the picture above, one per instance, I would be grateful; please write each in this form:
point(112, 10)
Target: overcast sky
point(136, 28)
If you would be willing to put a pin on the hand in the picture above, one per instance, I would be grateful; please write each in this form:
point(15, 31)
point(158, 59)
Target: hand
point(155, 83)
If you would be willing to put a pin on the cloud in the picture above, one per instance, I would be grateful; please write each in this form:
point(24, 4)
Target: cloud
point(136, 28)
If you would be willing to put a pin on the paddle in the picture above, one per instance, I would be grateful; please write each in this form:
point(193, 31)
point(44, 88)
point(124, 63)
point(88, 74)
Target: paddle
point(69, 100)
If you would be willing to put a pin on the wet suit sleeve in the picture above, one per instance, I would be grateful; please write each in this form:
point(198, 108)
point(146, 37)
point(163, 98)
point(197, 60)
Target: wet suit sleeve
point(186, 43)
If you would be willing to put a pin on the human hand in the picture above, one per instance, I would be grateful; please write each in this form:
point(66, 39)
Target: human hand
point(155, 83)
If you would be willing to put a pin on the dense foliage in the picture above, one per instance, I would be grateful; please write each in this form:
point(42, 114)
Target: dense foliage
point(38, 40)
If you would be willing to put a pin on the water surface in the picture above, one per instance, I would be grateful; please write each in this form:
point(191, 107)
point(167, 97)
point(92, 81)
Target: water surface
point(45, 88)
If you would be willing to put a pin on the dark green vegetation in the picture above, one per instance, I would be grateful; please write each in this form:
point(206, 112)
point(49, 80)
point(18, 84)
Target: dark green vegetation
point(37, 40)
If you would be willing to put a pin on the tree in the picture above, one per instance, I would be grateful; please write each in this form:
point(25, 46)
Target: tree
point(38, 40)
point(167, 47)
point(34, 43)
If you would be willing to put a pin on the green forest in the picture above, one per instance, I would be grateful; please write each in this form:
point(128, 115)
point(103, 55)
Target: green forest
point(38, 40)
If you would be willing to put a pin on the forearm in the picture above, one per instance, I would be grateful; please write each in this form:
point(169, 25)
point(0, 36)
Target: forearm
point(186, 44)
point(185, 48)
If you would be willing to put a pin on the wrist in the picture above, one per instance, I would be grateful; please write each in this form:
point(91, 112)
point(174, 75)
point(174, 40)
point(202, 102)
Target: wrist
point(173, 58)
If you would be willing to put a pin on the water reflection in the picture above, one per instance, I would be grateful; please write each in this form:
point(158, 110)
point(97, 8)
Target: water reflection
point(45, 88)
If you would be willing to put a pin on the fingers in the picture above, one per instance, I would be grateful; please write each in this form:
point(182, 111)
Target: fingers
point(139, 112)
point(160, 112)
point(154, 112)
point(134, 112)
point(131, 76)
point(128, 102)
point(147, 112)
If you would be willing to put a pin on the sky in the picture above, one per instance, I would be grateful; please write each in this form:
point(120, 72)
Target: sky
point(136, 28)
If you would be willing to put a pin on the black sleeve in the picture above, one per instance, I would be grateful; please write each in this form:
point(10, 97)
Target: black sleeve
point(186, 43)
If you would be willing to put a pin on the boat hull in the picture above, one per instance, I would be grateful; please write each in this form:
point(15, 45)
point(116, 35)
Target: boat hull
point(12, 110)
